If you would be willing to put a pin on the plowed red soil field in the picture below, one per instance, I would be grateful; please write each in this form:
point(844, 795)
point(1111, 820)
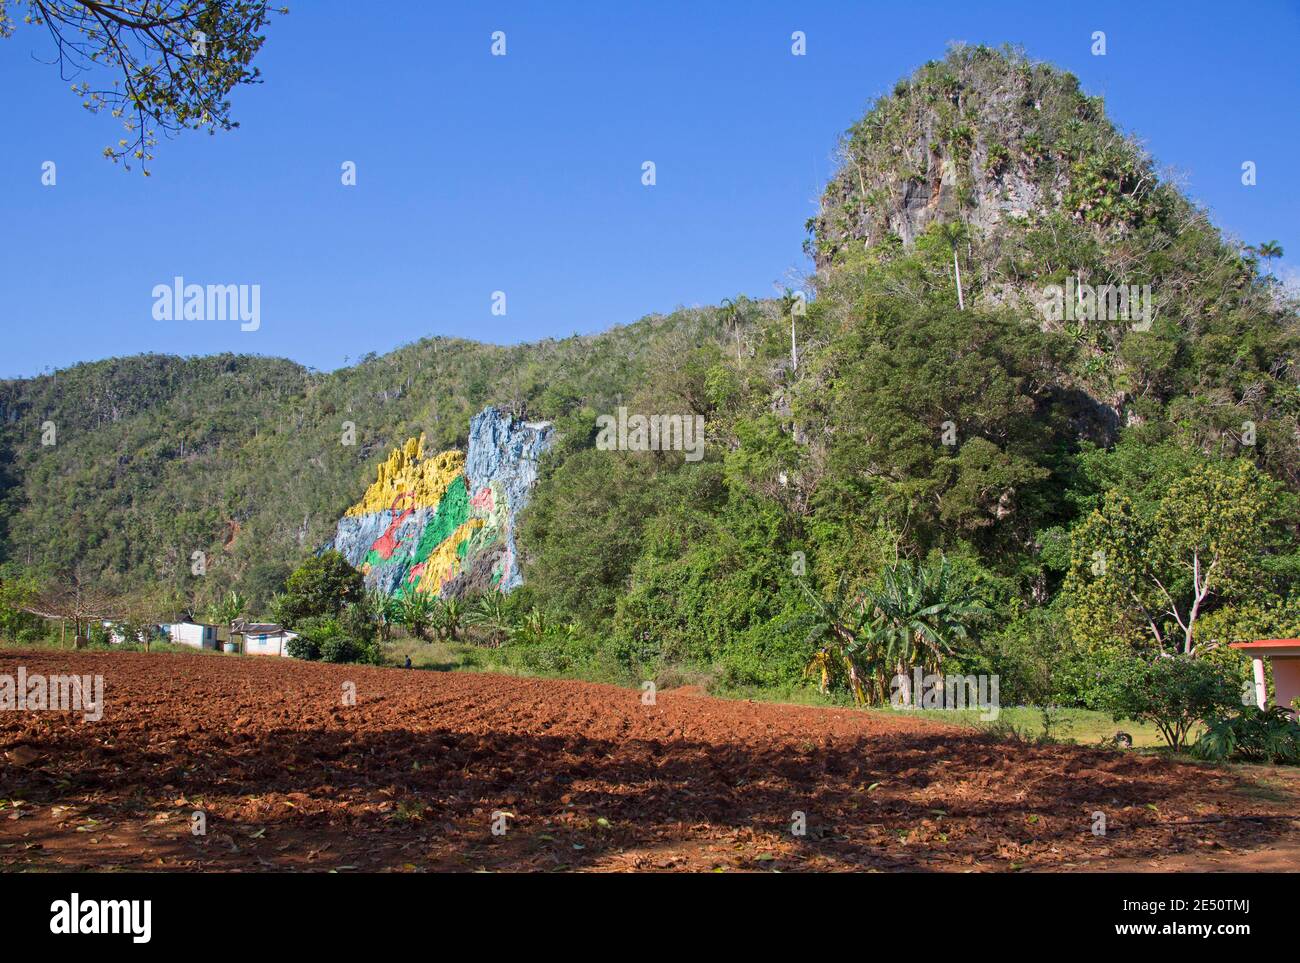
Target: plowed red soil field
point(409, 779)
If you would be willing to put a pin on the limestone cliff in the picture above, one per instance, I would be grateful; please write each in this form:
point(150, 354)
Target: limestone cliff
point(444, 523)
point(985, 137)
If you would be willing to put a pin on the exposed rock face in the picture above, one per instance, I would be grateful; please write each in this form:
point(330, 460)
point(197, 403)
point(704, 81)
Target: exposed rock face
point(444, 524)
point(501, 469)
point(1016, 161)
point(982, 136)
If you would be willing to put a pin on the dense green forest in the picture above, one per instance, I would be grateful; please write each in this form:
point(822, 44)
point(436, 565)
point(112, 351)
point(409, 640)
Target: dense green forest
point(918, 430)
point(243, 458)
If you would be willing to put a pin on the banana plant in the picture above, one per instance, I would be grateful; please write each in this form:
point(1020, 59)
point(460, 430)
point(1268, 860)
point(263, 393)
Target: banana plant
point(532, 628)
point(381, 609)
point(917, 616)
point(226, 610)
point(488, 613)
point(451, 618)
point(833, 629)
point(415, 610)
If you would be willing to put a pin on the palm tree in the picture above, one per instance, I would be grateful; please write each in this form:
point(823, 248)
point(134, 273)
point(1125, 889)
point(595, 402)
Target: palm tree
point(917, 616)
point(1269, 251)
point(790, 303)
point(731, 315)
point(415, 610)
point(954, 232)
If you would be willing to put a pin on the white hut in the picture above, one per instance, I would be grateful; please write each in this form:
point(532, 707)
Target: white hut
point(194, 634)
point(265, 638)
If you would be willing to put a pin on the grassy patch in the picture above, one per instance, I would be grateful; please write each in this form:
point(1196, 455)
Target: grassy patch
point(436, 656)
point(54, 645)
point(510, 659)
point(1083, 726)
point(791, 695)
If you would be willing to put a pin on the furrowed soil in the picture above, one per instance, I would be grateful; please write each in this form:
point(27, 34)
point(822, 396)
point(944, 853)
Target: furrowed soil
point(583, 777)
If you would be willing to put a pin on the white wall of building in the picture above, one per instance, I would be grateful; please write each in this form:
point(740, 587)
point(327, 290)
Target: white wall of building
point(276, 643)
point(194, 635)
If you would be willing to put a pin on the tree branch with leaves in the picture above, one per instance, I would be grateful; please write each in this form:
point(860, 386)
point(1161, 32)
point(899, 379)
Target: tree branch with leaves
point(1157, 568)
point(176, 61)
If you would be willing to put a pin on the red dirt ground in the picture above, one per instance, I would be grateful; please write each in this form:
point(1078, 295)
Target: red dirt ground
point(408, 780)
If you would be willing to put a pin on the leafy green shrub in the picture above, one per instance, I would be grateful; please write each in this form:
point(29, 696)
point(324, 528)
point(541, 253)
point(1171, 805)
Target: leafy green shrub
point(356, 621)
point(347, 637)
point(564, 651)
point(340, 648)
point(1261, 735)
point(767, 655)
point(322, 585)
point(551, 656)
point(1024, 653)
point(332, 639)
point(16, 591)
point(1081, 677)
point(27, 633)
point(703, 582)
point(316, 632)
point(304, 648)
point(1171, 692)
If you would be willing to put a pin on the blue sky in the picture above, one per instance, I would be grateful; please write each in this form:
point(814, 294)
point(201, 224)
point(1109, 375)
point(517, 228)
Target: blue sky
point(523, 173)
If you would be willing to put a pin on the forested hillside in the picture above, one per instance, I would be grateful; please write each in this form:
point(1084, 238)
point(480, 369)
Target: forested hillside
point(934, 424)
point(243, 458)
point(1071, 471)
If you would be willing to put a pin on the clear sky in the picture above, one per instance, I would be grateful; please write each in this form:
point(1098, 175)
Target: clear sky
point(522, 173)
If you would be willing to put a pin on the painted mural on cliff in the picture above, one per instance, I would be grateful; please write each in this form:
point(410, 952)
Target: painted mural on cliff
point(444, 523)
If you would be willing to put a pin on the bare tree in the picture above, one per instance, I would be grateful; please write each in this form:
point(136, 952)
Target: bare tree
point(76, 599)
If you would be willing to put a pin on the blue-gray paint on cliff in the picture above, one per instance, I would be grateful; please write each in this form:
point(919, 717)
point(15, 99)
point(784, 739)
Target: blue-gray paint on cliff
point(506, 451)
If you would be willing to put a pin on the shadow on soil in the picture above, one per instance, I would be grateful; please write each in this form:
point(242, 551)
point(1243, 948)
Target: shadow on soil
point(323, 798)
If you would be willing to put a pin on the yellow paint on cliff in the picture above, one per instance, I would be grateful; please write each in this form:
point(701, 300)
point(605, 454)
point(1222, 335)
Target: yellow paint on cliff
point(445, 561)
point(407, 475)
